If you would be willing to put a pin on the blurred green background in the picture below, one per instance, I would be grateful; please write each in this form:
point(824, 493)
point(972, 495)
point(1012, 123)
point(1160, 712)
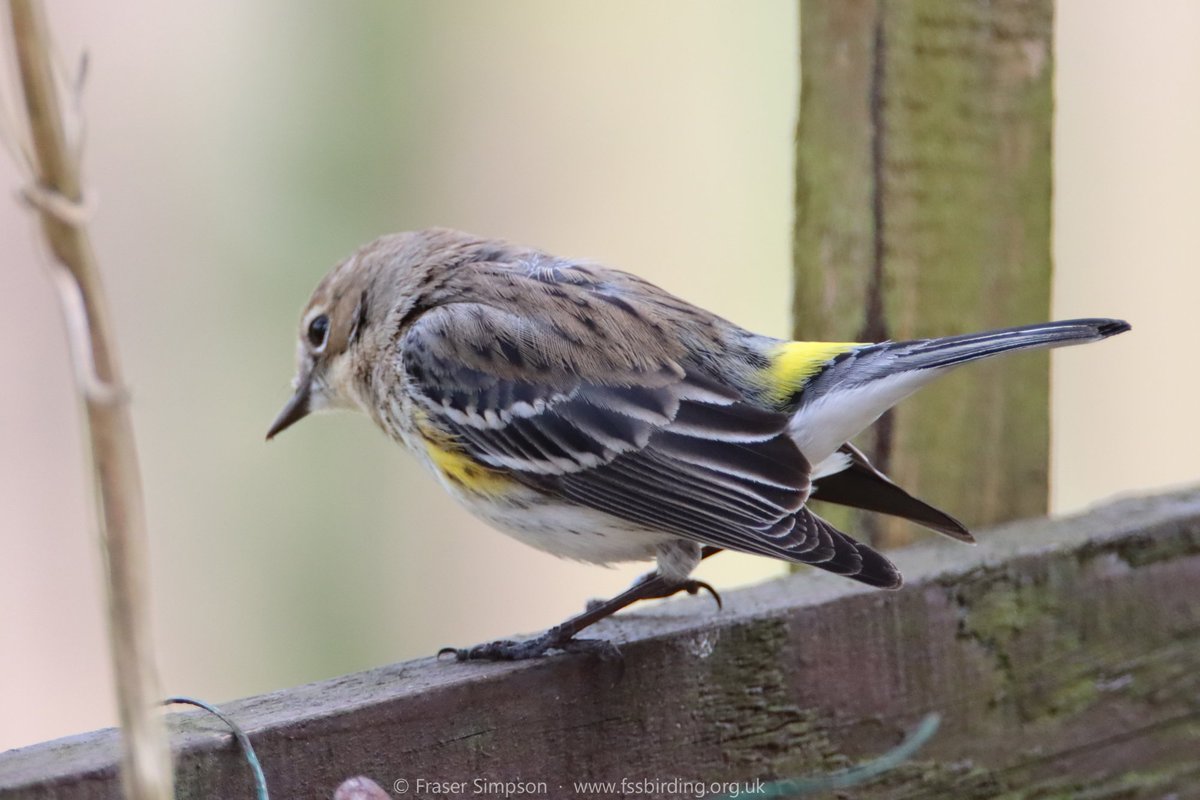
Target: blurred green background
point(236, 150)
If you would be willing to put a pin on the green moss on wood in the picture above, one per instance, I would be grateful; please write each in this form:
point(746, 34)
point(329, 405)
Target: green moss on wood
point(746, 699)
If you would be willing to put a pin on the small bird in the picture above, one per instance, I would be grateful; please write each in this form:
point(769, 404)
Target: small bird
point(593, 415)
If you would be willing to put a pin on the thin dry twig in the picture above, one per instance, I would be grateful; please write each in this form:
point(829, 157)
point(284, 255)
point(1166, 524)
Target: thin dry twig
point(57, 197)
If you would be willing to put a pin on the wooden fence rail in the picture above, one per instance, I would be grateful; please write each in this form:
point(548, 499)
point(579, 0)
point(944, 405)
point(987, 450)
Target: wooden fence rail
point(1064, 657)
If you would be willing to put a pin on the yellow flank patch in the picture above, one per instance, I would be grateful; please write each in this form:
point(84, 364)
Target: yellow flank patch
point(793, 363)
point(461, 470)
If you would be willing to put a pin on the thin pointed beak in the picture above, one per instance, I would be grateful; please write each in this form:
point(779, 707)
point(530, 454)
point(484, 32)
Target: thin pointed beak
point(296, 409)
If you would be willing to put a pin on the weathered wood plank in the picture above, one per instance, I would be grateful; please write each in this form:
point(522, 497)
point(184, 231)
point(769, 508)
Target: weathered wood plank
point(1063, 655)
point(923, 187)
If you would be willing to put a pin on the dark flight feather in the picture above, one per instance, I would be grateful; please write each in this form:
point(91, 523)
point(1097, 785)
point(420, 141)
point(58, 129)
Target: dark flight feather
point(861, 485)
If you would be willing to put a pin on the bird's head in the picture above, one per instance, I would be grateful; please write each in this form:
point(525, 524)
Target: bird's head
point(347, 320)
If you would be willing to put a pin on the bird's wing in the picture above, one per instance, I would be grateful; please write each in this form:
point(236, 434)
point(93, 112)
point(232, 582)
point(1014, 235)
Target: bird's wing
point(642, 438)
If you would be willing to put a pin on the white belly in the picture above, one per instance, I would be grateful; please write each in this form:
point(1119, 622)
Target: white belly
point(567, 531)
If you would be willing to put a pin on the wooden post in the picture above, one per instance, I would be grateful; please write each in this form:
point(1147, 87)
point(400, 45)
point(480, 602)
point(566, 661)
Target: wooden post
point(923, 209)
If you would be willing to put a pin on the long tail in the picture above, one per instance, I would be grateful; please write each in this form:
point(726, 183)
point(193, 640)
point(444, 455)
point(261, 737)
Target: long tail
point(950, 351)
point(860, 382)
point(853, 388)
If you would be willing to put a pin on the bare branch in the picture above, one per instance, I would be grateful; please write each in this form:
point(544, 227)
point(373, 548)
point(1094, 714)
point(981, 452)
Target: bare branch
point(57, 196)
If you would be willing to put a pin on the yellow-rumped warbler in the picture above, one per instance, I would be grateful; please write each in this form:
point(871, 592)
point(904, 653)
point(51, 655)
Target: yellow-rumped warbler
point(595, 416)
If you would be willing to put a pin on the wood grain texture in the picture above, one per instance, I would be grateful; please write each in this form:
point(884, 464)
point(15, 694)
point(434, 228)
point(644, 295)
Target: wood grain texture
point(923, 189)
point(1063, 655)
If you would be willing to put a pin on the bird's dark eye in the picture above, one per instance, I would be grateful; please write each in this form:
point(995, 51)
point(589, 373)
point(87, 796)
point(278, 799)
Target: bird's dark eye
point(318, 329)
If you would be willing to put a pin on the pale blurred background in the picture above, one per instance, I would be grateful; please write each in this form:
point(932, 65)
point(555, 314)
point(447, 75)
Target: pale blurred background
point(237, 149)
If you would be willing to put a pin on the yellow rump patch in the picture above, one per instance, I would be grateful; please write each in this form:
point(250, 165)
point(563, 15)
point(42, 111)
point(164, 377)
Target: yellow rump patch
point(793, 363)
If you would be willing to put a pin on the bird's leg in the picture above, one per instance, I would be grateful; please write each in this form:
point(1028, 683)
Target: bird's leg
point(650, 586)
point(690, 586)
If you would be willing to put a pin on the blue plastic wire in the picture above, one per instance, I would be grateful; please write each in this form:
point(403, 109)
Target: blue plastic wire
point(797, 787)
point(260, 780)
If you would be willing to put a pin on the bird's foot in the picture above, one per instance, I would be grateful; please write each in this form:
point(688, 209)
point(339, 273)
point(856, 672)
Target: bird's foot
point(510, 650)
point(694, 587)
point(562, 637)
point(690, 586)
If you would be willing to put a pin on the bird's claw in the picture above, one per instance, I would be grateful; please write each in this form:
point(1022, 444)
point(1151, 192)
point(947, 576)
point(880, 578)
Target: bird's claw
point(694, 587)
point(690, 586)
